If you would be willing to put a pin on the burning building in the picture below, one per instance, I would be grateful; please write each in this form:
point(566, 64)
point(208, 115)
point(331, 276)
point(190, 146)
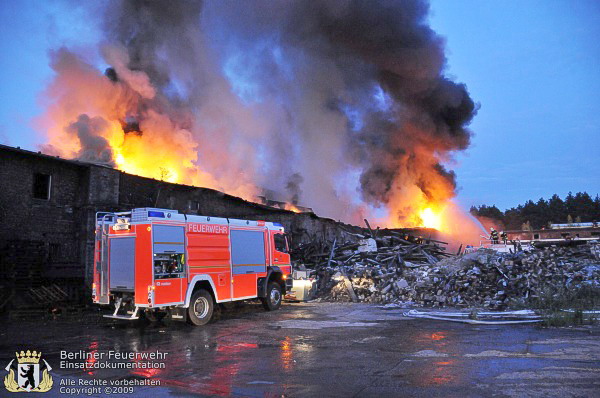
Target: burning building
point(48, 206)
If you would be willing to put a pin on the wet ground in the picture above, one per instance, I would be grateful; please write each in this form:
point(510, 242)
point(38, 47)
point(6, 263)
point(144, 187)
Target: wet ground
point(324, 349)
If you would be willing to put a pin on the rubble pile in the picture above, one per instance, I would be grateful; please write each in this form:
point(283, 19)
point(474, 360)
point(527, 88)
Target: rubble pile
point(402, 269)
point(370, 270)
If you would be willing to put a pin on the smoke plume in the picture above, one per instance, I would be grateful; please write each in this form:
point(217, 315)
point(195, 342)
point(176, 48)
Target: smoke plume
point(347, 97)
point(293, 188)
point(94, 147)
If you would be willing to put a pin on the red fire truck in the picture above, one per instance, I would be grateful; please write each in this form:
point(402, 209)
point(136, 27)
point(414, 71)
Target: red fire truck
point(157, 262)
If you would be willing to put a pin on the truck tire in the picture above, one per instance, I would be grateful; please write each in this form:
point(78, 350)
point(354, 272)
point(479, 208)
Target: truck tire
point(272, 301)
point(201, 308)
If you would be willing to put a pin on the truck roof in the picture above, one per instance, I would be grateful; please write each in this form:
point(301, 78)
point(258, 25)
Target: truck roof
point(149, 214)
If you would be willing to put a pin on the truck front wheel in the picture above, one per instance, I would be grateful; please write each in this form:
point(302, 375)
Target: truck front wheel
point(273, 300)
point(201, 308)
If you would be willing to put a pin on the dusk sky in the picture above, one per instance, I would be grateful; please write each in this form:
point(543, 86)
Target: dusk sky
point(533, 66)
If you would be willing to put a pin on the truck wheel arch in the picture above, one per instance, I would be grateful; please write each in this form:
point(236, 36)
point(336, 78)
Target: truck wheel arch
point(273, 274)
point(199, 281)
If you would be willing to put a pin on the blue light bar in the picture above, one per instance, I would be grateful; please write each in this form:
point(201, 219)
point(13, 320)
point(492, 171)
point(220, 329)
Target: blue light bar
point(156, 214)
point(277, 224)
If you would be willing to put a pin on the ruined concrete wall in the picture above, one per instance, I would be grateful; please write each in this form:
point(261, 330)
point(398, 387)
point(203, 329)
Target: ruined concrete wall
point(40, 238)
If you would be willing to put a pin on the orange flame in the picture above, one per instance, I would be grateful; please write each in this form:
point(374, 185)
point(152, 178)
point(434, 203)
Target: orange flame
point(165, 148)
point(292, 207)
point(431, 219)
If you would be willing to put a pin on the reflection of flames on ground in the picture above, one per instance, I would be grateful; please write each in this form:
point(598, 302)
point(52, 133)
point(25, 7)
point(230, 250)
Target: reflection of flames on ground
point(439, 372)
point(286, 354)
point(442, 373)
point(229, 362)
point(219, 380)
point(91, 360)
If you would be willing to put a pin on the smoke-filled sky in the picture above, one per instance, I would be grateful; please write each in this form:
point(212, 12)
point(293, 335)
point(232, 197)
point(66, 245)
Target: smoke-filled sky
point(532, 66)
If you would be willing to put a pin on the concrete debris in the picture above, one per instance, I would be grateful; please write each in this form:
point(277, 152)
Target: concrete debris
point(407, 270)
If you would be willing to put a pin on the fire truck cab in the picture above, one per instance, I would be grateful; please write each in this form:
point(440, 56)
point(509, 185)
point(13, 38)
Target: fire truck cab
point(157, 262)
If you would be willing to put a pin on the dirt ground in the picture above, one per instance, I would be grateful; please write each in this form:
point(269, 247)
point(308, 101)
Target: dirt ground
point(320, 349)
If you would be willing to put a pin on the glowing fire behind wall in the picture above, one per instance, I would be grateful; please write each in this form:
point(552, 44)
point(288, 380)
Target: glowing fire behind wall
point(86, 116)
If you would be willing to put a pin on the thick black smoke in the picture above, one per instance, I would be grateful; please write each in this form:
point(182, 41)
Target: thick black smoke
point(392, 41)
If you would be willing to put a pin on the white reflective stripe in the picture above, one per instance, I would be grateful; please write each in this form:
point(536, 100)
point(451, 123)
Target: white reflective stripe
point(167, 304)
point(243, 298)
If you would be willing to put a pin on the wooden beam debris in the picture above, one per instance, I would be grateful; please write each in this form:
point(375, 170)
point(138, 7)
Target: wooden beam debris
point(402, 270)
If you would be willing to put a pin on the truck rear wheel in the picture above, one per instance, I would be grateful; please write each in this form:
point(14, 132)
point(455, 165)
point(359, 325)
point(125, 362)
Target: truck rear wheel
point(273, 300)
point(201, 308)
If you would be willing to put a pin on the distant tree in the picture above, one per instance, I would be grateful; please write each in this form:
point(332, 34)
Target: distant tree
point(583, 206)
point(556, 209)
point(536, 215)
point(165, 173)
point(488, 211)
point(513, 218)
point(569, 202)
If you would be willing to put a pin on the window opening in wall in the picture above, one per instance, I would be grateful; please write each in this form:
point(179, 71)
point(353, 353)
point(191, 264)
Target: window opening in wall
point(193, 205)
point(41, 186)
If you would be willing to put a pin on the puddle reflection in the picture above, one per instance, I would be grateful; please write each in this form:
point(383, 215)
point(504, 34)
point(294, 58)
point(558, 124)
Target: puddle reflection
point(91, 360)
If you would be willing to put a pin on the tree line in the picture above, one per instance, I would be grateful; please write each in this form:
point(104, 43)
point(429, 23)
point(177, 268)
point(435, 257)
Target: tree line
point(536, 215)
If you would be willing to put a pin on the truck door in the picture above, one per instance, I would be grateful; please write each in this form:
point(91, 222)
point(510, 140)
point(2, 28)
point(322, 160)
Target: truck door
point(247, 260)
point(168, 264)
point(101, 256)
point(122, 264)
point(280, 249)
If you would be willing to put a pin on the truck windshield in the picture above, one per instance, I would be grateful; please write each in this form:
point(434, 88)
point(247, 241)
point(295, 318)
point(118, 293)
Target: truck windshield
point(280, 243)
point(168, 265)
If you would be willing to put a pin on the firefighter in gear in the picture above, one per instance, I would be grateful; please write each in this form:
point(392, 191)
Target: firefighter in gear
point(493, 236)
point(504, 237)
